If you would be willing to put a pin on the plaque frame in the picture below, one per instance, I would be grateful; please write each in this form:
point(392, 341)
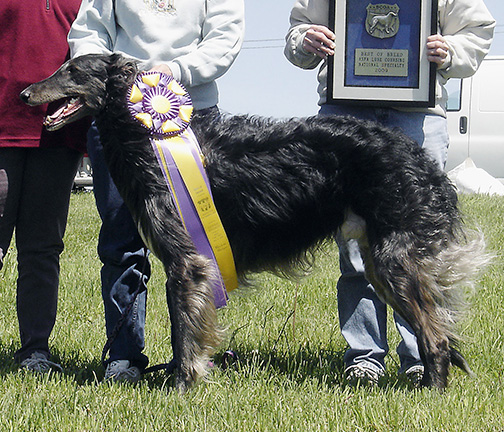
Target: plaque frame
point(347, 19)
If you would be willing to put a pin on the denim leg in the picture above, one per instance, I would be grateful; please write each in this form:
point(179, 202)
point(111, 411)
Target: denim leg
point(407, 350)
point(363, 317)
point(436, 139)
point(125, 262)
point(428, 130)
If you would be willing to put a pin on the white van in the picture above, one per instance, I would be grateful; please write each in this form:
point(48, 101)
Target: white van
point(84, 176)
point(476, 118)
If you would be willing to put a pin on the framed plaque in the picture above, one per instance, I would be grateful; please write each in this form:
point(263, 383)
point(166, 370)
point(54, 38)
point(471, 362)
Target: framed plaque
point(381, 52)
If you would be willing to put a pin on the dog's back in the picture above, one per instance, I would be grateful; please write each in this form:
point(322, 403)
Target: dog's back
point(273, 179)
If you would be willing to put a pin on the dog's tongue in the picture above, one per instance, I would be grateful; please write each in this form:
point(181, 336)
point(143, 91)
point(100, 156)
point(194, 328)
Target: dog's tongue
point(69, 107)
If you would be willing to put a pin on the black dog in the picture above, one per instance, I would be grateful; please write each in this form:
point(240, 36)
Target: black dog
point(282, 188)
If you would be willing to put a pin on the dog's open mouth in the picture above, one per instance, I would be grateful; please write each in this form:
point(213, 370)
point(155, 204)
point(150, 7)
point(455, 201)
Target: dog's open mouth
point(69, 111)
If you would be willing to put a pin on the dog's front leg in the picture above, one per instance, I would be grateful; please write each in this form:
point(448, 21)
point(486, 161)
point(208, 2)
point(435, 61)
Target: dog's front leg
point(195, 331)
point(194, 328)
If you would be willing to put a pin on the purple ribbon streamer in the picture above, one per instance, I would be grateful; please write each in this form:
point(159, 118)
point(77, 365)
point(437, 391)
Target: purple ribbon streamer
point(187, 209)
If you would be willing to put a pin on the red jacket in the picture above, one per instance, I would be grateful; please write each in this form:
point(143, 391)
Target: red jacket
point(32, 46)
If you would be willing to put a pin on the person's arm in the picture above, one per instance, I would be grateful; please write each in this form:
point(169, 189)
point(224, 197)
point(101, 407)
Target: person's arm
point(222, 38)
point(467, 29)
point(309, 40)
point(94, 29)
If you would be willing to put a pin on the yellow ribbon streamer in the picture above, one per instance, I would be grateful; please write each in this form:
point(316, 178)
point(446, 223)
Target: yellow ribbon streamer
point(205, 208)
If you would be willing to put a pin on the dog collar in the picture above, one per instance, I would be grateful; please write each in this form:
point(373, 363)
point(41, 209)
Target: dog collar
point(160, 104)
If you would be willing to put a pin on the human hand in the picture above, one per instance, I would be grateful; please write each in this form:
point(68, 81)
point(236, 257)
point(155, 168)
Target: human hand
point(319, 40)
point(437, 49)
point(162, 68)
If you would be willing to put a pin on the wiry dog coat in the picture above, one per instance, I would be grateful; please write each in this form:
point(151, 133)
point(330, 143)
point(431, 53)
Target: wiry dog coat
point(281, 188)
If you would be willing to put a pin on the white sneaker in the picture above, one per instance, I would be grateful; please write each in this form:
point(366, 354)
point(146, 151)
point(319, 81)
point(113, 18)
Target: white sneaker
point(38, 362)
point(361, 374)
point(121, 371)
point(415, 374)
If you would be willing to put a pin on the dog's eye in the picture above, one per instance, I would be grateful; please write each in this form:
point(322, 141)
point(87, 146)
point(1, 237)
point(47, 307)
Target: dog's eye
point(71, 69)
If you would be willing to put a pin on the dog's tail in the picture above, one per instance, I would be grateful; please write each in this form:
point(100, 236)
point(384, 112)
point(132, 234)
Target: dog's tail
point(451, 272)
point(447, 277)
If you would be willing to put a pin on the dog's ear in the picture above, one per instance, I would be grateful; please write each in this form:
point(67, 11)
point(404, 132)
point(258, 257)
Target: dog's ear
point(122, 67)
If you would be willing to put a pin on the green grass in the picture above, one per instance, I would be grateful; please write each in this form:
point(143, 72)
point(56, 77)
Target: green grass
point(290, 374)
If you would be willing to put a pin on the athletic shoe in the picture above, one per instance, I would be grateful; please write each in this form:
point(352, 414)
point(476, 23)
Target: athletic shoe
point(360, 374)
point(121, 371)
point(38, 362)
point(415, 375)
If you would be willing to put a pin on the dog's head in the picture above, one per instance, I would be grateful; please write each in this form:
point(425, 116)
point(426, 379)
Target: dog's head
point(81, 83)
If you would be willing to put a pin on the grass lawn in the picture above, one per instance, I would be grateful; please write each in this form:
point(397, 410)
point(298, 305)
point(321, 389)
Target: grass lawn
point(290, 374)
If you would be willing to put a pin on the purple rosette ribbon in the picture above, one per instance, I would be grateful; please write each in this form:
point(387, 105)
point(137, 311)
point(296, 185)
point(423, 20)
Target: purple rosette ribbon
point(160, 104)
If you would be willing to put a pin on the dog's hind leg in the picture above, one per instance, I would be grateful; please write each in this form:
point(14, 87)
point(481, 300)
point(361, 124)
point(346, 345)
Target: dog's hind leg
point(422, 287)
point(397, 284)
point(394, 271)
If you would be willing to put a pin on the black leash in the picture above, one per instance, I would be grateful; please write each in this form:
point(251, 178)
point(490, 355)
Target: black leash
point(125, 313)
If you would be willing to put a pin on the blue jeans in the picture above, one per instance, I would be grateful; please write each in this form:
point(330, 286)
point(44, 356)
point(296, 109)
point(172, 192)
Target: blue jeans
point(363, 317)
point(125, 262)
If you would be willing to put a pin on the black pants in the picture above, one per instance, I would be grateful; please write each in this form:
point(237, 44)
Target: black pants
point(40, 182)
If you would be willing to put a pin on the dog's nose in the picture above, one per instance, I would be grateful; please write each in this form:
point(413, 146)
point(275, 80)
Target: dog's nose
point(25, 95)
